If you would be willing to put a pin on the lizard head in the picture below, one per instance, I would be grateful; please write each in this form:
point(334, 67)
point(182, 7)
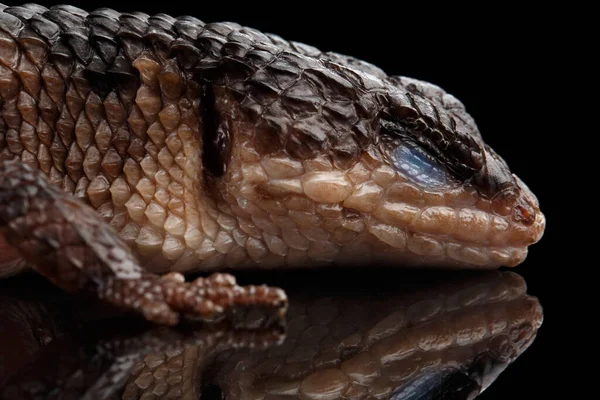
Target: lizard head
point(318, 161)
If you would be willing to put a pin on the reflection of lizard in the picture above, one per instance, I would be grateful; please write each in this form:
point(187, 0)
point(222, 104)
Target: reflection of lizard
point(208, 146)
point(406, 340)
point(58, 348)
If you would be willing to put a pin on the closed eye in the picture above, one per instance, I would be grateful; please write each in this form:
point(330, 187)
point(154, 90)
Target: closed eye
point(418, 166)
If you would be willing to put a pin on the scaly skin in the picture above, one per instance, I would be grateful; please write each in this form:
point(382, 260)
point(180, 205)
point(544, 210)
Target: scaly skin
point(208, 146)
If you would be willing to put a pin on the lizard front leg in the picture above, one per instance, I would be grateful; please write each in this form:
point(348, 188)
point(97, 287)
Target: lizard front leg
point(69, 243)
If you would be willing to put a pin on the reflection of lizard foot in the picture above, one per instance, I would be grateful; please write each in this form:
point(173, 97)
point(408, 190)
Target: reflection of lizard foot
point(52, 351)
point(71, 245)
point(163, 299)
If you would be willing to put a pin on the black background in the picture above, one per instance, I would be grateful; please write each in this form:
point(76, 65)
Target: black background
point(506, 65)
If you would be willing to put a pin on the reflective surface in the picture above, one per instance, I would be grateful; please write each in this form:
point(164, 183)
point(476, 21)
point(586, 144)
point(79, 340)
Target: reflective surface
point(397, 336)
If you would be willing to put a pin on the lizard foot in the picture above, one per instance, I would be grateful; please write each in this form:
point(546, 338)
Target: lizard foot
point(71, 245)
point(164, 299)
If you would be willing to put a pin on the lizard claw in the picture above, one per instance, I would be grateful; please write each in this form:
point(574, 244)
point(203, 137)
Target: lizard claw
point(165, 299)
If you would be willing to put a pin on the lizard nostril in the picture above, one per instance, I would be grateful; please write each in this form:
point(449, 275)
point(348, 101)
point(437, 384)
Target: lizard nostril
point(524, 214)
point(512, 202)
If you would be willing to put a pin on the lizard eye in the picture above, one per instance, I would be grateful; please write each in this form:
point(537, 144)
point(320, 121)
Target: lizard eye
point(418, 166)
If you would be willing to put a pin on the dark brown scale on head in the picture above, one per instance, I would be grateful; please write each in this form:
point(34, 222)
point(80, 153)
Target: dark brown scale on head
point(289, 109)
point(295, 102)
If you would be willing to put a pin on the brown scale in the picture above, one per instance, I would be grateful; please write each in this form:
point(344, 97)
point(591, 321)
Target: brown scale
point(98, 139)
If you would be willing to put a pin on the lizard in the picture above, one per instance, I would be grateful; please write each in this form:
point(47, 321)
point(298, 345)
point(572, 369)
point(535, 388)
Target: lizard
point(135, 149)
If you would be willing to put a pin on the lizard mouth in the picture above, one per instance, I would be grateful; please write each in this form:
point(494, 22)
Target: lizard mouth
point(456, 230)
point(500, 243)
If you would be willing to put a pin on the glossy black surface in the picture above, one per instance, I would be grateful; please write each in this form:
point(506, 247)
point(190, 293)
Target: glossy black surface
point(424, 330)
